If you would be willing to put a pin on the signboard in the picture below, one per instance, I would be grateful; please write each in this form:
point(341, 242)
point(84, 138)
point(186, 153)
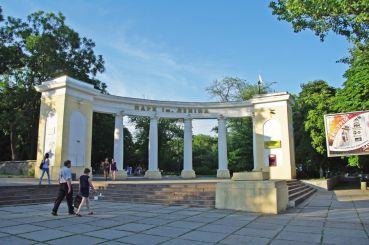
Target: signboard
point(347, 133)
point(272, 144)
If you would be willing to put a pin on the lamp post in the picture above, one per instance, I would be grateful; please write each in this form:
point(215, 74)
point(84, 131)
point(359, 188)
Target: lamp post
point(259, 86)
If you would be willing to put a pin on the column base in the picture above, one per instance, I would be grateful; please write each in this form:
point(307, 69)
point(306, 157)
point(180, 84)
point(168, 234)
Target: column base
point(223, 174)
point(188, 174)
point(239, 176)
point(152, 174)
point(121, 175)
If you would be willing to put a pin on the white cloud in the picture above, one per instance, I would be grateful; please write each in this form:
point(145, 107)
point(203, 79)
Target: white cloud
point(139, 67)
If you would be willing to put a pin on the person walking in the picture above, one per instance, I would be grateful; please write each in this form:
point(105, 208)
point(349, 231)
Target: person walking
point(84, 188)
point(65, 188)
point(106, 168)
point(113, 168)
point(45, 168)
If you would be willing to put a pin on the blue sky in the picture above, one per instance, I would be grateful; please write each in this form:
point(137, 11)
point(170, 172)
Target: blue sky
point(173, 50)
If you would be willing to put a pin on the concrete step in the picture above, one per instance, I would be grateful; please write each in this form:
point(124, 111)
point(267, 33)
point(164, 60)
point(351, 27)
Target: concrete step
point(201, 195)
point(11, 195)
point(298, 192)
point(294, 202)
point(296, 189)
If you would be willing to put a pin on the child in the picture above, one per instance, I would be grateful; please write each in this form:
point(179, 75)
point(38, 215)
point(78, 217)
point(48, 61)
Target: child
point(84, 188)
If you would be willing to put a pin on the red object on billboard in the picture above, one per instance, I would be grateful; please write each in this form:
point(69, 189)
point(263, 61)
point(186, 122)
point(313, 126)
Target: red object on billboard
point(272, 160)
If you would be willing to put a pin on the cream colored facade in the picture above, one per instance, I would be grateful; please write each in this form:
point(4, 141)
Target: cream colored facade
point(69, 133)
point(266, 108)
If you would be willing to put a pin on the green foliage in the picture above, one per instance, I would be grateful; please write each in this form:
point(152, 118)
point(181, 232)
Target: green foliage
point(314, 101)
point(354, 95)
point(205, 154)
point(346, 18)
point(102, 139)
point(343, 17)
point(240, 144)
point(1, 14)
point(129, 148)
point(31, 172)
point(170, 144)
point(33, 51)
point(240, 148)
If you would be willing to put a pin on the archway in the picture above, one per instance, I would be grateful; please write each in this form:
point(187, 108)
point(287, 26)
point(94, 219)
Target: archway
point(69, 97)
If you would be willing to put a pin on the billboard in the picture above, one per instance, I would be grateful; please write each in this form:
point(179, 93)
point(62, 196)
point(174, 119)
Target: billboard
point(347, 133)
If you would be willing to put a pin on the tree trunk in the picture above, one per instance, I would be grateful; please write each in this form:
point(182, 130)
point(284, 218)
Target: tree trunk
point(32, 154)
point(13, 143)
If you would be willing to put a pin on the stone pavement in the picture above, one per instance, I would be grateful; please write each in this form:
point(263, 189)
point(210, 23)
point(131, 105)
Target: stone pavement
point(340, 217)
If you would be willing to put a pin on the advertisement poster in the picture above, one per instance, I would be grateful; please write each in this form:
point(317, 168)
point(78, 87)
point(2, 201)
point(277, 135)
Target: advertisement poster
point(347, 133)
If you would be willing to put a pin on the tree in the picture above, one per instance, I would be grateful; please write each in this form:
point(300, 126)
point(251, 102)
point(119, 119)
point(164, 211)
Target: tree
point(102, 139)
point(346, 18)
point(205, 154)
point(227, 89)
point(33, 51)
point(354, 96)
point(1, 14)
point(170, 136)
point(343, 17)
point(314, 101)
point(240, 144)
point(235, 89)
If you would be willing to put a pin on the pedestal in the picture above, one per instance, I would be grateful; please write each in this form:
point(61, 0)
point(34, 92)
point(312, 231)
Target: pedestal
point(223, 174)
point(363, 186)
point(268, 196)
point(250, 176)
point(153, 174)
point(121, 175)
point(188, 174)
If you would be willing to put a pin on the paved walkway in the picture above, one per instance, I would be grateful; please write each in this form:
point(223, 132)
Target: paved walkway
point(340, 217)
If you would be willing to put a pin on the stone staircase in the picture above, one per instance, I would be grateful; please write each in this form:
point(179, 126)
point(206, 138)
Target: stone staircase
point(298, 192)
point(28, 194)
point(191, 194)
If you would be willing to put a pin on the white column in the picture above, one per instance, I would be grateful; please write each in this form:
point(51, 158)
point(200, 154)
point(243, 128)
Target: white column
point(223, 171)
point(255, 155)
point(118, 141)
point(119, 146)
point(187, 171)
point(152, 172)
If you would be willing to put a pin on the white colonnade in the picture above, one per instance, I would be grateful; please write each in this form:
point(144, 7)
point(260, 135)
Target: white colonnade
point(153, 171)
point(67, 97)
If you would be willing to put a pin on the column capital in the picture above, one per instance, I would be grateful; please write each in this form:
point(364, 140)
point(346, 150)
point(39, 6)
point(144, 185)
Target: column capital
point(119, 114)
point(221, 117)
point(187, 119)
point(154, 117)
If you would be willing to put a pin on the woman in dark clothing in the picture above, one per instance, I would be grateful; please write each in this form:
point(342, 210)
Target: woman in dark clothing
point(106, 168)
point(84, 189)
point(113, 168)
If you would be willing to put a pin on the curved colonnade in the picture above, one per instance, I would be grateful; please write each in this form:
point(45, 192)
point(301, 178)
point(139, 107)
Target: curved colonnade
point(65, 128)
